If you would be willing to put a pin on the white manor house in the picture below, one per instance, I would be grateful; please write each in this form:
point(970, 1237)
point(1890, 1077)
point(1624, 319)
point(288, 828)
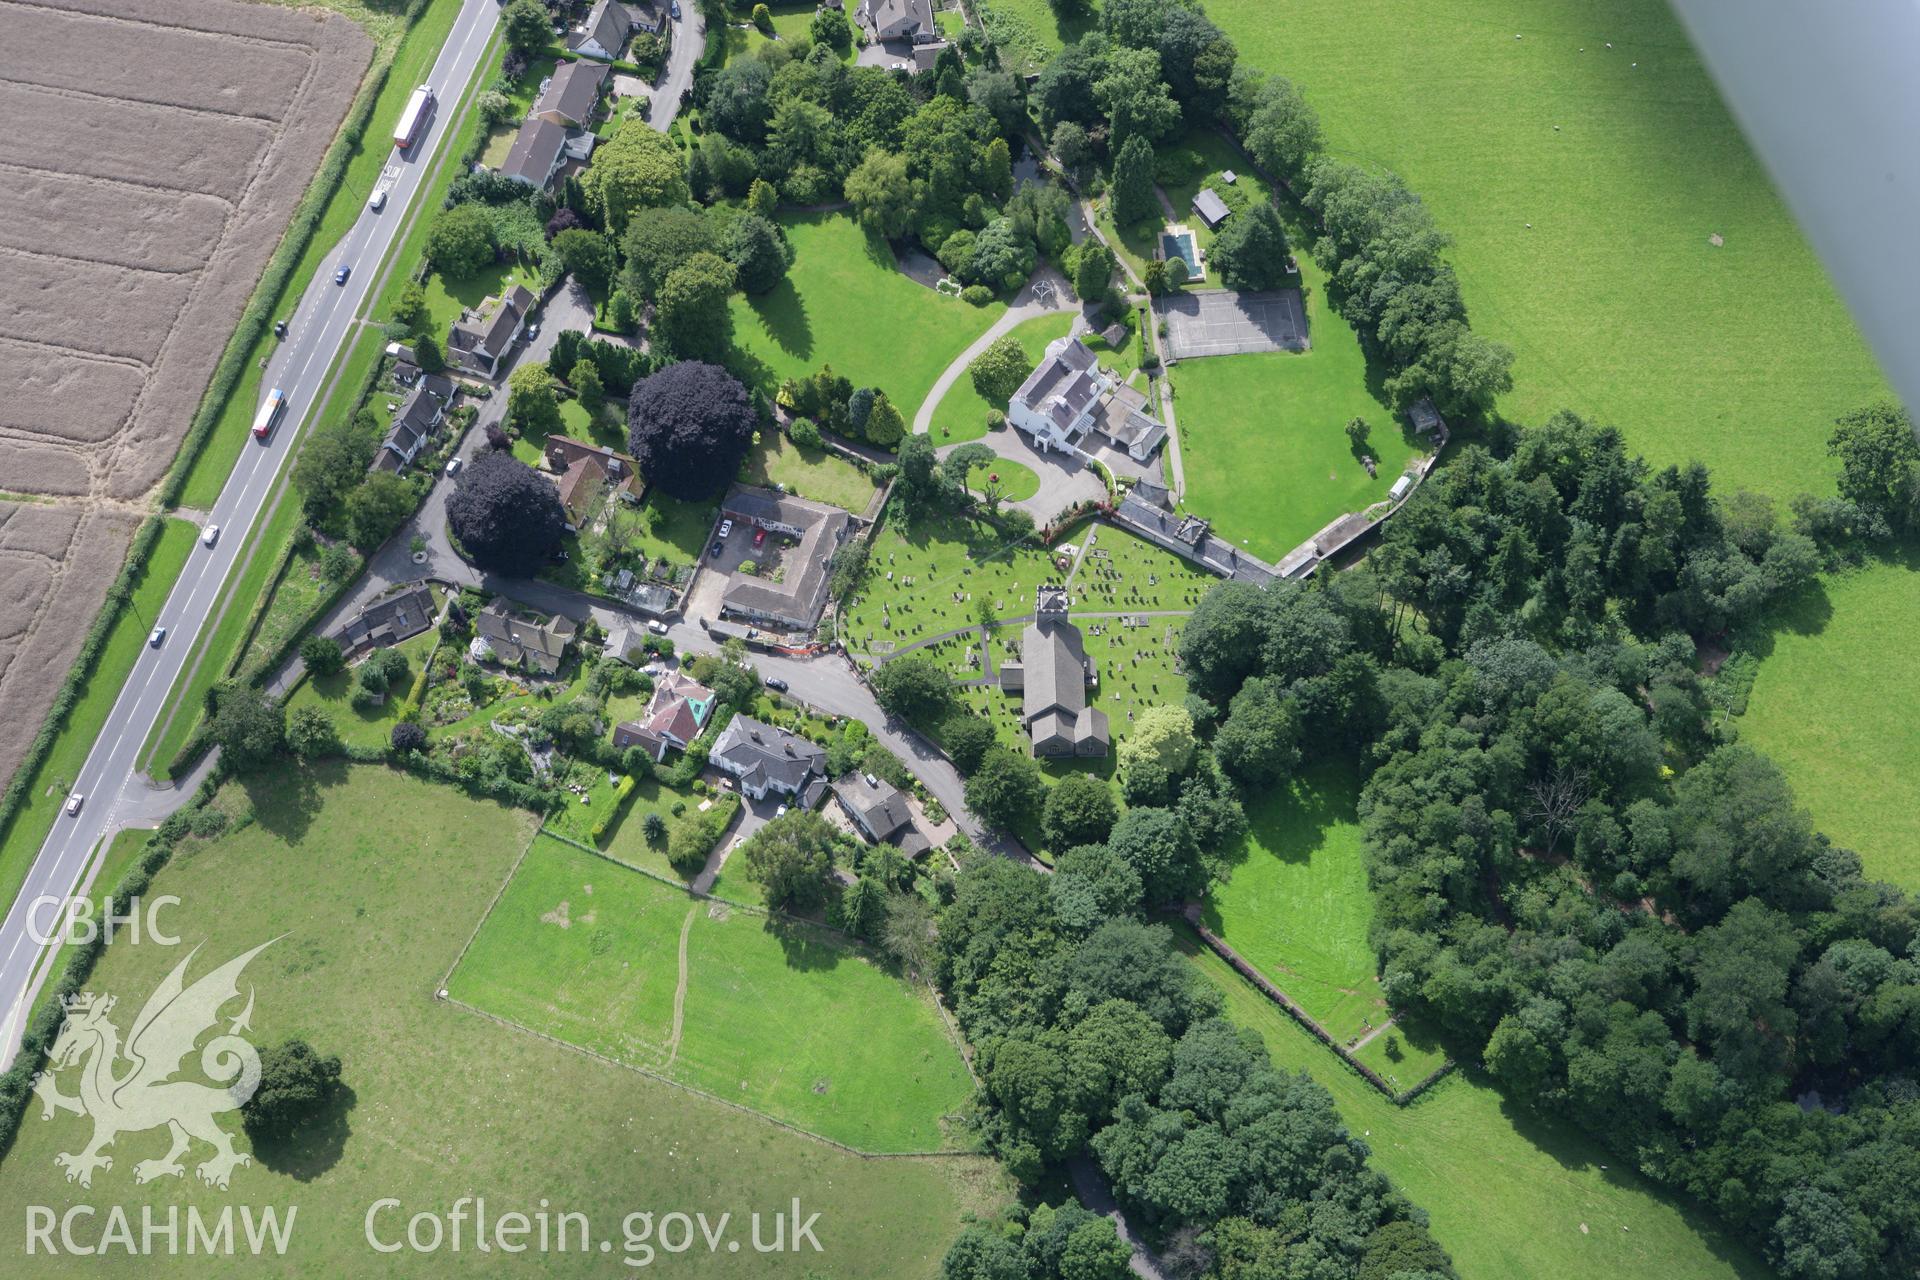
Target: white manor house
point(1070, 396)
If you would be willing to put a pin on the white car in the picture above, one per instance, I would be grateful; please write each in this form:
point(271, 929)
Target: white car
point(781, 812)
point(210, 535)
point(726, 528)
point(74, 802)
point(453, 466)
point(656, 626)
point(155, 637)
point(377, 201)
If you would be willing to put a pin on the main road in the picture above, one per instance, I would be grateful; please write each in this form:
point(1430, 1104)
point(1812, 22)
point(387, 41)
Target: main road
point(320, 329)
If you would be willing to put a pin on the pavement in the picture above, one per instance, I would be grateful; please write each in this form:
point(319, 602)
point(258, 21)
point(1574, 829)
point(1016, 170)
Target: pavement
point(321, 327)
point(1221, 322)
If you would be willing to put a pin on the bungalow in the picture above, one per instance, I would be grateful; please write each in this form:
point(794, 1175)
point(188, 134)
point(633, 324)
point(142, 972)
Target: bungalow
point(879, 812)
point(540, 148)
point(521, 639)
point(480, 339)
point(678, 711)
point(1070, 396)
point(586, 472)
point(571, 94)
point(608, 28)
point(387, 622)
point(765, 759)
point(1052, 677)
point(898, 20)
point(1212, 209)
point(796, 600)
point(413, 423)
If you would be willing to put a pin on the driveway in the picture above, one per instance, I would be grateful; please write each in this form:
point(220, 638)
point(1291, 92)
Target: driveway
point(1064, 478)
point(689, 41)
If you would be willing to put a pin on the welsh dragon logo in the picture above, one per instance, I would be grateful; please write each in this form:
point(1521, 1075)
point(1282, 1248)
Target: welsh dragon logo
point(131, 1088)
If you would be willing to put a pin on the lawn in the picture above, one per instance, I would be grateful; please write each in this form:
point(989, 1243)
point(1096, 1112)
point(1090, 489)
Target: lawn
point(46, 790)
point(376, 882)
point(961, 414)
point(809, 473)
point(791, 21)
point(1032, 29)
point(1512, 1195)
point(846, 304)
point(446, 299)
point(1264, 441)
point(1015, 480)
point(1625, 161)
point(372, 727)
point(1832, 704)
point(301, 588)
point(780, 1019)
point(627, 842)
point(1296, 904)
point(413, 50)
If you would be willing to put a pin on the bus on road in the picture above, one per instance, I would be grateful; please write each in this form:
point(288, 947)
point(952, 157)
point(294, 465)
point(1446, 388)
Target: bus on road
point(270, 411)
point(413, 120)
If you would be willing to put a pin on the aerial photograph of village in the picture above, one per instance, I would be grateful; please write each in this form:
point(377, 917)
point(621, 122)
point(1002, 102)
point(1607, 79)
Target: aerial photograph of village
point(960, 639)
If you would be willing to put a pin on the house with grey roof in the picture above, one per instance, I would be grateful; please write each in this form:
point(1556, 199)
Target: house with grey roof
point(413, 425)
point(796, 598)
point(571, 94)
point(765, 760)
point(481, 338)
point(878, 811)
point(1211, 208)
point(605, 33)
point(898, 20)
point(388, 621)
point(1070, 402)
point(1052, 678)
point(521, 638)
point(541, 148)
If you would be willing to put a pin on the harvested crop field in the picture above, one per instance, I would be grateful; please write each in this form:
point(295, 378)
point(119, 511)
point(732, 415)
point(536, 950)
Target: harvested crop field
point(148, 171)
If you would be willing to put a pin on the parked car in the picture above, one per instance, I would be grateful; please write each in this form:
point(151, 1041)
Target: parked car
point(531, 332)
point(74, 802)
point(377, 201)
point(453, 466)
point(759, 538)
point(781, 812)
point(656, 626)
point(726, 530)
point(717, 550)
point(340, 276)
point(210, 535)
point(776, 684)
point(673, 7)
point(155, 636)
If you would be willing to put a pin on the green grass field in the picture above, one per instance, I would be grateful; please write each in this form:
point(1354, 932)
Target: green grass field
point(1121, 572)
point(1264, 436)
point(47, 789)
point(811, 473)
point(783, 1019)
point(846, 304)
point(1625, 161)
point(376, 882)
point(1033, 30)
point(961, 414)
point(413, 50)
point(1297, 905)
point(1832, 705)
point(1512, 1195)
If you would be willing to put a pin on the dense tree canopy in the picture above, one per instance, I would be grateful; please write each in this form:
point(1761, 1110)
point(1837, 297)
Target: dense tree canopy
point(296, 1087)
point(506, 515)
point(693, 321)
point(690, 426)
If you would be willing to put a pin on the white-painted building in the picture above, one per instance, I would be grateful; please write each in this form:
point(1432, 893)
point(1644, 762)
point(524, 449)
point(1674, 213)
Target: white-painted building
point(1069, 396)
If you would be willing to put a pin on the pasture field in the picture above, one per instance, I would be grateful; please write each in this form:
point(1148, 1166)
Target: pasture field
point(1297, 906)
point(810, 473)
point(1601, 129)
point(376, 880)
point(961, 414)
point(1512, 1195)
point(846, 303)
point(778, 1017)
point(1832, 705)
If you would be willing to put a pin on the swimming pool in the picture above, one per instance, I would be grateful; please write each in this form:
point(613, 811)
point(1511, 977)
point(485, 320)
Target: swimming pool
point(1180, 244)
